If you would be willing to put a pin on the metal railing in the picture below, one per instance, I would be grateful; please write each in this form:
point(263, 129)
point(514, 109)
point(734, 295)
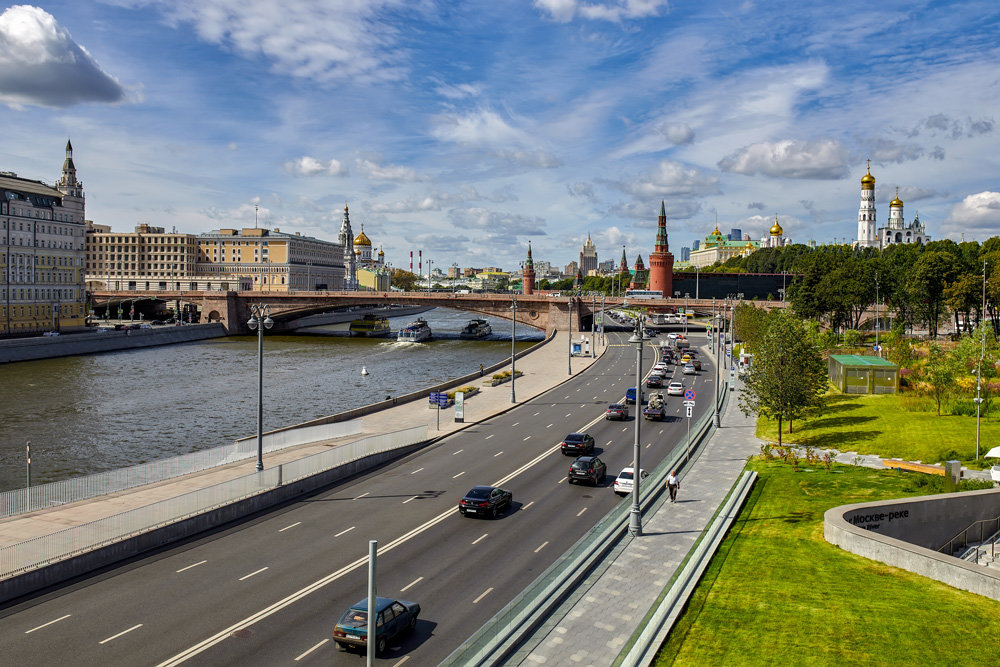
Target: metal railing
point(40, 551)
point(988, 531)
point(41, 496)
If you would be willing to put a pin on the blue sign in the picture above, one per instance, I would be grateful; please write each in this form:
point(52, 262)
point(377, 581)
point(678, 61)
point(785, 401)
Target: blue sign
point(439, 398)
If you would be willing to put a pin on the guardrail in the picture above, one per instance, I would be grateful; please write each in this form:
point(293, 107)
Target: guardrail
point(40, 551)
point(500, 635)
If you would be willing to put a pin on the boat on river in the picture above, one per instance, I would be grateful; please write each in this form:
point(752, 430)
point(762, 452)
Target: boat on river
point(415, 332)
point(476, 329)
point(370, 326)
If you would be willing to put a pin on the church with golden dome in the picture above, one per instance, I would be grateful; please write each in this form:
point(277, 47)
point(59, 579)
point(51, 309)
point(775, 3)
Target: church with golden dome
point(896, 230)
point(363, 267)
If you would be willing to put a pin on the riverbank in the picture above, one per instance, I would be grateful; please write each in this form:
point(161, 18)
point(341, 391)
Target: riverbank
point(92, 342)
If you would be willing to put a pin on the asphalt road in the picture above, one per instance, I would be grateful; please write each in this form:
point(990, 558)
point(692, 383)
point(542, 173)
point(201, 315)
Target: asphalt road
point(270, 589)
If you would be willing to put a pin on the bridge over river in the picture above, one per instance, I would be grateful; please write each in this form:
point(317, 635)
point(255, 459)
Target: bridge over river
point(541, 311)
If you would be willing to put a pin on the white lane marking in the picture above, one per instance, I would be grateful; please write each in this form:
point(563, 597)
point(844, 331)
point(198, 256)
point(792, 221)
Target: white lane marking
point(498, 454)
point(405, 658)
point(312, 649)
point(44, 625)
point(201, 562)
point(459, 452)
point(538, 549)
point(569, 414)
point(484, 594)
point(526, 439)
point(291, 526)
point(457, 476)
point(361, 496)
point(252, 573)
point(549, 426)
point(595, 398)
point(624, 429)
point(480, 538)
point(345, 532)
point(609, 443)
point(567, 397)
point(411, 584)
point(489, 436)
point(514, 424)
point(661, 432)
point(410, 498)
point(123, 632)
point(649, 445)
point(416, 471)
point(581, 511)
point(561, 480)
point(528, 505)
point(536, 414)
point(289, 600)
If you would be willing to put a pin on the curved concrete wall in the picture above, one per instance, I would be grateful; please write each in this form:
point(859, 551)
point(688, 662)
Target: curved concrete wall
point(29, 349)
point(906, 533)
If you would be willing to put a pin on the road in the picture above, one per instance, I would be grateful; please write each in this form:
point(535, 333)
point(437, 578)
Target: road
point(268, 590)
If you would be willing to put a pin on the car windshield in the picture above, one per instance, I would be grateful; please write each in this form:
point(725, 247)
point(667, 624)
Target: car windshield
point(625, 475)
point(581, 465)
point(480, 493)
point(575, 437)
point(676, 385)
point(354, 618)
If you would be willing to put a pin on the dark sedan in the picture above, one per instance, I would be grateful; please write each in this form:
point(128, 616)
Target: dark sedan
point(588, 469)
point(485, 501)
point(654, 381)
point(577, 444)
point(616, 411)
point(393, 618)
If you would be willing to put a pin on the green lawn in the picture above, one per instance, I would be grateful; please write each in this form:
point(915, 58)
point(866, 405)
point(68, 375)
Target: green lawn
point(890, 425)
point(777, 593)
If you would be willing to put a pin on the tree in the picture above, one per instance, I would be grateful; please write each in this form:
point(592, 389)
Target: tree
point(940, 373)
point(750, 325)
point(787, 378)
point(963, 296)
point(404, 280)
point(978, 353)
point(927, 281)
point(898, 348)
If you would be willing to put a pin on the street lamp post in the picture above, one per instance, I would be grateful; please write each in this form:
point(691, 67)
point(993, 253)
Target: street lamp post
point(686, 295)
point(635, 516)
point(718, 321)
point(513, 373)
point(593, 318)
point(429, 263)
point(260, 320)
point(979, 365)
point(569, 330)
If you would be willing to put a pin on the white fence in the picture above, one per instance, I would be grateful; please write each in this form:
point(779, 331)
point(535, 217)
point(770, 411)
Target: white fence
point(19, 501)
point(40, 551)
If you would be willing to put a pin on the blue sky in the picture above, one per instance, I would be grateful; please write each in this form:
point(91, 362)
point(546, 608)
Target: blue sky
point(467, 128)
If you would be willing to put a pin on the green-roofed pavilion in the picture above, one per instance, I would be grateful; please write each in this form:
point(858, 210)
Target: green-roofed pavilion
point(861, 374)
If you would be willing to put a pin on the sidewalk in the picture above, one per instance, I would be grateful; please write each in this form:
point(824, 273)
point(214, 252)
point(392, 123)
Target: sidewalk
point(593, 625)
point(542, 368)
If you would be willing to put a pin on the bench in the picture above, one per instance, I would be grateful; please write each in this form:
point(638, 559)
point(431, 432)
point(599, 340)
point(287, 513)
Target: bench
point(900, 464)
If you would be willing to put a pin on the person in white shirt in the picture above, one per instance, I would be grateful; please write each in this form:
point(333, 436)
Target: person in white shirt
point(672, 485)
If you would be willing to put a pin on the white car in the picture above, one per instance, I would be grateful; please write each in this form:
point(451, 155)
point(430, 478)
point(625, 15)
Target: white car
point(623, 483)
point(672, 336)
point(675, 388)
point(660, 367)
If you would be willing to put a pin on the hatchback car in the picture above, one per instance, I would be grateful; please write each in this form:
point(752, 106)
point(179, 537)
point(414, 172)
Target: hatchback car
point(617, 411)
point(654, 381)
point(675, 388)
point(393, 618)
point(624, 481)
point(696, 363)
point(630, 395)
point(485, 501)
point(689, 369)
point(587, 469)
point(577, 444)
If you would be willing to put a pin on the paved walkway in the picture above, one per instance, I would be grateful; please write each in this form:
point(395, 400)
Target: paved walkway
point(542, 368)
point(593, 625)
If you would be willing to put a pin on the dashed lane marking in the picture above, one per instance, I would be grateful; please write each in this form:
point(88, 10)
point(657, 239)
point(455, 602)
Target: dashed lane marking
point(123, 632)
point(541, 546)
point(484, 594)
point(345, 532)
point(45, 625)
point(201, 562)
point(361, 496)
point(462, 450)
point(250, 575)
point(410, 498)
point(489, 436)
point(458, 475)
point(285, 528)
point(416, 471)
point(302, 655)
point(580, 513)
point(411, 584)
point(480, 538)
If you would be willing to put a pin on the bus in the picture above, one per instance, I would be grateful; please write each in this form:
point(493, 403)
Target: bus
point(643, 294)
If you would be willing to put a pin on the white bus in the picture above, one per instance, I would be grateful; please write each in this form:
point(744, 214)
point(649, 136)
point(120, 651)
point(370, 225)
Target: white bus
point(643, 294)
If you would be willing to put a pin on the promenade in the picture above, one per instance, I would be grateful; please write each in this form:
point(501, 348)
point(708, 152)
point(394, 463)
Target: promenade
point(544, 367)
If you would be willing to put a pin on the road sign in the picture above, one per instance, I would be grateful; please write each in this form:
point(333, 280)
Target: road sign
point(689, 394)
point(688, 404)
point(439, 398)
point(689, 412)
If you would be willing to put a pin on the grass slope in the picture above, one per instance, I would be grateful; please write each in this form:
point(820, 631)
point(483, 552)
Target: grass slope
point(778, 593)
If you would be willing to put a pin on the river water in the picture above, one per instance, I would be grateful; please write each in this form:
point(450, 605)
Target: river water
point(98, 412)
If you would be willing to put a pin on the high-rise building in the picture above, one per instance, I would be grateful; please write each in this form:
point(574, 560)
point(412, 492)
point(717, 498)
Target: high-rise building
point(661, 261)
point(695, 244)
point(735, 234)
point(42, 262)
point(588, 257)
point(685, 254)
point(606, 268)
point(571, 270)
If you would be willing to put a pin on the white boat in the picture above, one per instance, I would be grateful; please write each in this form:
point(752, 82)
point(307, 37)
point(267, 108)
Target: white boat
point(415, 332)
point(476, 329)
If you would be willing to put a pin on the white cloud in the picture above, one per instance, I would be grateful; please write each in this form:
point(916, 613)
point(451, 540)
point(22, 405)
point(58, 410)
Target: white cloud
point(824, 159)
point(480, 128)
point(310, 166)
point(977, 215)
point(540, 159)
point(40, 64)
point(669, 179)
point(565, 10)
point(385, 172)
point(677, 133)
point(457, 91)
point(502, 223)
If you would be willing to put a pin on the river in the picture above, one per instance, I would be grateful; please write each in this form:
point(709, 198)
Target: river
point(92, 413)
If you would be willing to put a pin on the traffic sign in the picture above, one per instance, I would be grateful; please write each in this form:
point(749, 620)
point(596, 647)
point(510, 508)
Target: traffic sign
point(689, 404)
point(689, 394)
point(689, 412)
point(439, 398)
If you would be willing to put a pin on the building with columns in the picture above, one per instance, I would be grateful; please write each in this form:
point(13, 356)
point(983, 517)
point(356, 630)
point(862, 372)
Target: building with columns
point(661, 261)
point(42, 260)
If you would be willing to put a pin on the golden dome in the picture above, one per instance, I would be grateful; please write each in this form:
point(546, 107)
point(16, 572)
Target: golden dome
point(749, 244)
point(896, 202)
point(868, 179)
point(716, 232)
point(776, 229)
point(361, 239)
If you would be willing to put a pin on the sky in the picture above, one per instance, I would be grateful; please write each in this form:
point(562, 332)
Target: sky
point(466, 129)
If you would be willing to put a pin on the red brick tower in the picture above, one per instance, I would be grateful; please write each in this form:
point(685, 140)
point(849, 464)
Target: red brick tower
point(639, 277)
point(528, 275)
point(661, 262)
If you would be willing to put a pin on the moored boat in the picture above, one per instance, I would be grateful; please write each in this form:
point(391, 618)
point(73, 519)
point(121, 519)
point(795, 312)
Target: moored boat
point(370, 325)
point(415, 332)
point(476, 329)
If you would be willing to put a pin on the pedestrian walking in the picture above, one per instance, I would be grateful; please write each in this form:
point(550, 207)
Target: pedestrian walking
point(480, 370)
point(672, 485)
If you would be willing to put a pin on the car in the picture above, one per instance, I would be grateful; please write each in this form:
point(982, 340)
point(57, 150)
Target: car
point(660, 366)
point(675, 388)
point(654, 382)
point(485, 501)
point(696, 363)
point(623, 483)
point(689, 369)
point(394, 617)
point(577, 444)
point(672, 336)
point(616, 411)
point(51, 333)
point(587, 469)
point(686, 359)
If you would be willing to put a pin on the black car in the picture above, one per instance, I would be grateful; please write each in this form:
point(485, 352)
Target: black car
point(616, 411)
point(696, 363)
point(485, 501)
point(587, 469)
point(577, 444)
point(654, 381)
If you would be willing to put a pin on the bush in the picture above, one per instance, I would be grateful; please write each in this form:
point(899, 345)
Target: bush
point(962, 407)
point(852, 338)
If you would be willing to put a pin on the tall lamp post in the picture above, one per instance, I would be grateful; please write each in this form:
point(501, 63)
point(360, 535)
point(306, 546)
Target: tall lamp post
point(719, 323)
point(429, 263)
point(686, 295)
point(593, 322)
point(260, 320)
point(569, 349)
point(635, 516)
point(513, 328)
point(979, 365)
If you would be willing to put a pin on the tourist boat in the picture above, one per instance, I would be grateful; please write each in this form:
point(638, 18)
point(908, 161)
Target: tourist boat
point(415, 332)
point(476, 329)
point(370, 325)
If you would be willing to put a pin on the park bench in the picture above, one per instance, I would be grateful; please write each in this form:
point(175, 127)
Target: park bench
point(900, 464)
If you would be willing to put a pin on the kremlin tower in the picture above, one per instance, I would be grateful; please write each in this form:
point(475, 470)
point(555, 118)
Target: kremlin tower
point(661, 262)
point(639, 277)
point(528, 275)
point(867, 235)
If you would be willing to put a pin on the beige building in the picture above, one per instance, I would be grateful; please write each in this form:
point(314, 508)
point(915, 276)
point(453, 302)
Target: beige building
point(42, 261)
